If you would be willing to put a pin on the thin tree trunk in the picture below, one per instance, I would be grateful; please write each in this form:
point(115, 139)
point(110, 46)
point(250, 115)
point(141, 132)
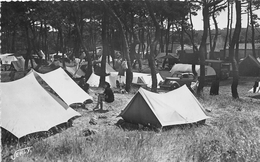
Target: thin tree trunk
point(45, 41)
point(231, 23)
point(246, 34)
point(203, 49)
point(28, 54)
point(61, 47)
point(252, 28)
point(235, 39)
point(89, 68)
point(195, 49)
point(182, 34)
point(216, 31)
point(129, 73)
point(153, 47)
point(227, 34)
point(105, 49)
point(214, 89)
point(210, 42)
point(161, 37)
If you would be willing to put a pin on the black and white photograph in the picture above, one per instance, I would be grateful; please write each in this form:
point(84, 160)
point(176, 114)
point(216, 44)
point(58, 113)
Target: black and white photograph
point(130, 81)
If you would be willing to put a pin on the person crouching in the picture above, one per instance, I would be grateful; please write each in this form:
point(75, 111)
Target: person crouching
point(107, 96)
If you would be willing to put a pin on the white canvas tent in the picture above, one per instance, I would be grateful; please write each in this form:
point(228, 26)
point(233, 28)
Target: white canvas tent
point(2, 56)
point(257, 89)
point(173, 108)
point(20, 63)
point(209, 71)
point(64, 86)
point(7, 59)
point(27, 108)
point(75, 72)
point(148, 80)
point(137, 78)
point(93, 80)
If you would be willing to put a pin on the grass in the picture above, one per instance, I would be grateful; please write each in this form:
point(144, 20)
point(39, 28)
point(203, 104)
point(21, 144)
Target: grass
point(232, 134)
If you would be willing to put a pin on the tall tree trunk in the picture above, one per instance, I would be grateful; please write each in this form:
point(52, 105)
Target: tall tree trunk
point(28, 54)
point(227, 34)
point(252, 28)
point(214, 89)
point(45, 41)
point(210, 42)
point(153, 46)
point(247, 26)
point(195, 49)
point(203, 48)
point(216, 30)
point(231, 22)
point(182, 33)
point(129, 73)
point(235, 39)
point(161, 38)
point(61, 46)
point(167, 39)
point(105, 47)
point(89, 68)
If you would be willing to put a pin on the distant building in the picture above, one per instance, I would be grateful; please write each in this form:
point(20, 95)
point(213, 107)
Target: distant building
point(242, 52)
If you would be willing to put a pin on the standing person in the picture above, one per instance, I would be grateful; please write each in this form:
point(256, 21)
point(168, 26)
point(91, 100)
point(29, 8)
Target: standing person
point(107, 96)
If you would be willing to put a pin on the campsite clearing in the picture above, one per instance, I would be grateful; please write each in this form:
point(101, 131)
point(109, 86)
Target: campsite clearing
point(232, 134)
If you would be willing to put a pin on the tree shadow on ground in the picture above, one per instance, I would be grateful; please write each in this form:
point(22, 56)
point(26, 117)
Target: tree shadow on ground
point(100, 111)
point(255, 97)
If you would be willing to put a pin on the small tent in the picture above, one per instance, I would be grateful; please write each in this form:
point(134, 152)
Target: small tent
point(209, 71)
point(75, 72)
point(257, 89)
point(94, 79)
point(19, 64)
point(159, 110)
point(64, 86)
point(147, 79)
point(27, 108)
point(7, 58)
point(249, 67)
point(137, 79)
point(163, 55)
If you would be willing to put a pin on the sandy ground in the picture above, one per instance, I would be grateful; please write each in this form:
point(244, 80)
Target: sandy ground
point(109, 116)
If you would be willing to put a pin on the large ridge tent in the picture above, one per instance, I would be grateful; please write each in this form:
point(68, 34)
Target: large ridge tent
point(64, 86)
point(209, 71)
point(26, 107)
point(159, 110)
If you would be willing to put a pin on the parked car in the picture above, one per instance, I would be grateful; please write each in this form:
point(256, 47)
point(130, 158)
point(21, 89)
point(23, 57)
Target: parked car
point(177, 80)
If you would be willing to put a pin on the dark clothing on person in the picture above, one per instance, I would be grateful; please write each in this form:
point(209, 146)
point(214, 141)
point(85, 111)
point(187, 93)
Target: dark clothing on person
point(109, 95)
point(121, 72)
point(86, 87)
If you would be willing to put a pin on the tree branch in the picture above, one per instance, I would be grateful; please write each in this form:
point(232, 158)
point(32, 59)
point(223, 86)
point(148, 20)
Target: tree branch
point(214, 3)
